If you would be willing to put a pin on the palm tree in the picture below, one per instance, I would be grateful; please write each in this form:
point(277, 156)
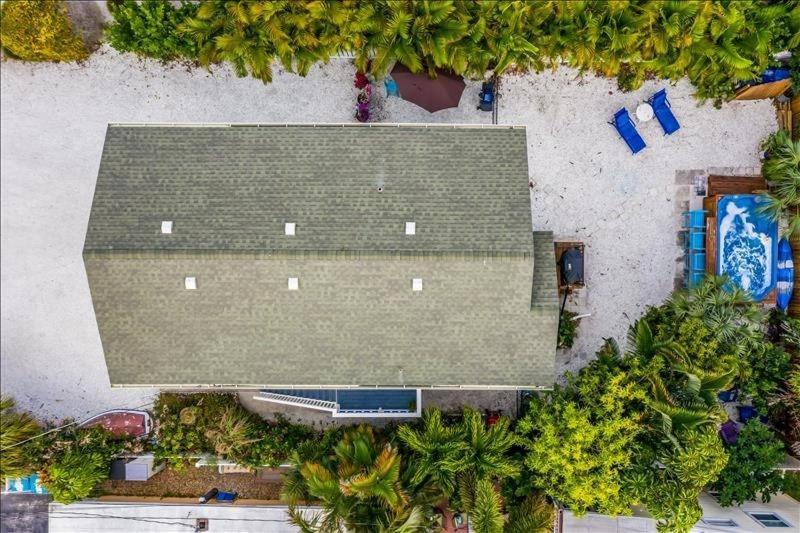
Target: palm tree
point(486, 459)
point(422, 35)
point(692, 404)
point(15, 427)
point(781, 170)
point(488, 453)
point(723, 308)
point(438, 451)
point(643, 344)
point(485, 513)
point(533, 515)
point(360, 489)
point(250, 35)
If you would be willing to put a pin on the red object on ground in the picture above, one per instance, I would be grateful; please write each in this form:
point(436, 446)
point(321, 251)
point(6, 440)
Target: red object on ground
point(361, 80)
point(492, 417)
point(122, 423)
point(430, 94)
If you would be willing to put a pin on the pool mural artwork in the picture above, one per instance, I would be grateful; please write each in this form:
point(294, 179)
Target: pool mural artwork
point(747, 243)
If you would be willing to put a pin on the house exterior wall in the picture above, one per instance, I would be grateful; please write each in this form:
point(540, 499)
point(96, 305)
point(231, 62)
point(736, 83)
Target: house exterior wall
point(784, 506)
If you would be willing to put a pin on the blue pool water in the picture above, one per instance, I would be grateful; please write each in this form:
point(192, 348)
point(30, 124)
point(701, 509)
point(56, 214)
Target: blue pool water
point(747, 244)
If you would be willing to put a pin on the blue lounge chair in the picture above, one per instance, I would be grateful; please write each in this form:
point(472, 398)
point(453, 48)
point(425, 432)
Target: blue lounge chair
point(626, 129)
point(663, 112)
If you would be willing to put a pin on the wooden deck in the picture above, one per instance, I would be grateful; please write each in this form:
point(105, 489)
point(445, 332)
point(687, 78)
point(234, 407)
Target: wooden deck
point(719, 185)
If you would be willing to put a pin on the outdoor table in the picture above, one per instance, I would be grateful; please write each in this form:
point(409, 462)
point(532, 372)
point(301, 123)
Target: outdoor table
point(644, 113)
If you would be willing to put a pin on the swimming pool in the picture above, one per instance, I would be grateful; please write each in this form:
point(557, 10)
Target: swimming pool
point(747, 243)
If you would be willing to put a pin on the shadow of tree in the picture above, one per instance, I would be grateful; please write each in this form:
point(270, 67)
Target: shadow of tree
point(88, 19)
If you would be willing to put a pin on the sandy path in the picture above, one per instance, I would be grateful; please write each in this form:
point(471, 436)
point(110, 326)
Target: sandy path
point(588, 187)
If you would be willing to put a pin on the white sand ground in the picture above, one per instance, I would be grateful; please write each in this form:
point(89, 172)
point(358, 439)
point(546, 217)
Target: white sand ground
point(588, 187)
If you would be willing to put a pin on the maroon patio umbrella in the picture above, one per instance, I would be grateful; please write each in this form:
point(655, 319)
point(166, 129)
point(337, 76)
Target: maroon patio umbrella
point(430, 94)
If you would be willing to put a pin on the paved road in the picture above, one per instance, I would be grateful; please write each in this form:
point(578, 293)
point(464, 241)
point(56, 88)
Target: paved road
point(23, 512)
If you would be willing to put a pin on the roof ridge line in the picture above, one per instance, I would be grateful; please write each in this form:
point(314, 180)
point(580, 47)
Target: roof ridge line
point(125, 253)
point(424, 125)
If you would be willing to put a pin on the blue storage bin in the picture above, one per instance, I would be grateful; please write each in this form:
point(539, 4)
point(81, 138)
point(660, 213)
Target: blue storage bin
point(696, 261)
point(694, 278)
point(694, 240)
point(694, 219)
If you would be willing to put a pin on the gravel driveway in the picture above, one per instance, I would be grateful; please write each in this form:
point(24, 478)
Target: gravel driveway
point(588, 187)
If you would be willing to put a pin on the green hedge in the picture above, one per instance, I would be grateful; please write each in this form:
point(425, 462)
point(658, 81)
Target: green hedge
point(149, 28)
point(39, 30)
point(715, 44)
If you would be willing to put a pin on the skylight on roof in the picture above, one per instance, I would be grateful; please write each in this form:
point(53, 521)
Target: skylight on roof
point(166, 226)
point(411, 228)
point(190, 282)
point(294, 284)
point(416, 284)
point(289, 228)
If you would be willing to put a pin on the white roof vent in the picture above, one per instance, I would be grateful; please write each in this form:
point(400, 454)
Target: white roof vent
point(294, 284)
point(416, 284)
point(411, 228)
point(166, 226)
point(190, 282)
point(289, 228)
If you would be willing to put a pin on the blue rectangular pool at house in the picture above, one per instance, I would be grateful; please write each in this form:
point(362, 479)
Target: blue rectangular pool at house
point(350, 402)
point(747, 244)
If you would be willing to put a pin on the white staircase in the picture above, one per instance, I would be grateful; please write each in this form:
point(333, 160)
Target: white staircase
point(298, 401)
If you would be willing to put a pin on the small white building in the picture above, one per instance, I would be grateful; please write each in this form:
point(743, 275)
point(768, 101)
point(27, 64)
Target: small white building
point(781, 513)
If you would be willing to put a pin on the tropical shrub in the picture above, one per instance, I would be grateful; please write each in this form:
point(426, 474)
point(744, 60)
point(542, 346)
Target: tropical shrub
point(15, 427)
point(72, 476)
point(749, 471)
point(39, 30)
point(671, 494)
point(768, 366)
point(781, 170)
point(581, 439)
point(784, 406)
point(534, 514)
point(192, 424)
point(567, 329)
point(150, 28)
point(232, 433)
point(791, 485)
point(73, 460)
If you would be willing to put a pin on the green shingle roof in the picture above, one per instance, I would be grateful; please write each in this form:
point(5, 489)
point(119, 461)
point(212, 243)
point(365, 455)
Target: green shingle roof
point(485, 317)
point(346, 188)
